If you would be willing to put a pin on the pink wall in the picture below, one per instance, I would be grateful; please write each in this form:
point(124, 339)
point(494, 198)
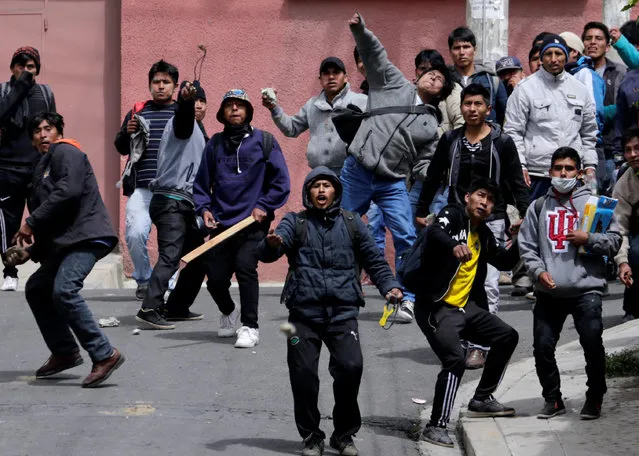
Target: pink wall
point(279, 43)
point(270, 43)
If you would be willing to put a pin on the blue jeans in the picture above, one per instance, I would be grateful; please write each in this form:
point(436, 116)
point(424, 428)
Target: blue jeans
point(361, 186)
point(439, 201)
point(53, 293)
point(138, 228)
point(377, 227)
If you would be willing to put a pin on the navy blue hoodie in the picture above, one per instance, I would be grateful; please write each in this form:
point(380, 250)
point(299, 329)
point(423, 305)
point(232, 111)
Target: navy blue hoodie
point(230, 184)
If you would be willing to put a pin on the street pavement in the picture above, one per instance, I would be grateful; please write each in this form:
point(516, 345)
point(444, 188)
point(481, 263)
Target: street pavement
point(186, 392)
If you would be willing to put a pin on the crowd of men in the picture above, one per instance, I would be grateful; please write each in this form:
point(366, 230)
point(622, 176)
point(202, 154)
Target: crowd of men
point(436, 158)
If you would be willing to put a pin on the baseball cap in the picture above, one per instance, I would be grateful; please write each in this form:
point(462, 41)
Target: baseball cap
point(573, 41)
point(332, 61)
point(508, 63)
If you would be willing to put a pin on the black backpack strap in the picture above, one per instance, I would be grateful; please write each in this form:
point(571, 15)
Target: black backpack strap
point(539, 204)
point(267, 145)
point(301, 230)
point(47, 94)
point(351, 226)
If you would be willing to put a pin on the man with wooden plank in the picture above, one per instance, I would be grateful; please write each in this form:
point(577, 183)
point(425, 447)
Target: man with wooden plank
point(242, 173)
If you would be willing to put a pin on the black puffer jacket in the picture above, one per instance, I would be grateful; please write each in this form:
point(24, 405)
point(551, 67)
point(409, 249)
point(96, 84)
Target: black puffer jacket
point(323, 270)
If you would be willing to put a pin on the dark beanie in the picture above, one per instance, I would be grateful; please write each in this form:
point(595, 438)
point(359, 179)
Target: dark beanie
point(201, 94)
point(553, 41)
point(29, 51)
point(199, 91)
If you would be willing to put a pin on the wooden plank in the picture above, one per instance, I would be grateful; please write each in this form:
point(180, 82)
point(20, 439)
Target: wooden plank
point(208, 245)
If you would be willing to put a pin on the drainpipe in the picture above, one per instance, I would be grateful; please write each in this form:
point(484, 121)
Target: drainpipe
point(488, 19)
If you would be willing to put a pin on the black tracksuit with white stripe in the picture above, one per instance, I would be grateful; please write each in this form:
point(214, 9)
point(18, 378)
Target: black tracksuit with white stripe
point(444, 325)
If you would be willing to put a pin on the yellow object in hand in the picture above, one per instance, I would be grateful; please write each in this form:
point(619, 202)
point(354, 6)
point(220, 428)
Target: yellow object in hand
point(389, 309)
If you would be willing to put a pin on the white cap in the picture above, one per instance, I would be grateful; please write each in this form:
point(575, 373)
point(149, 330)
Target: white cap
point(573, 41)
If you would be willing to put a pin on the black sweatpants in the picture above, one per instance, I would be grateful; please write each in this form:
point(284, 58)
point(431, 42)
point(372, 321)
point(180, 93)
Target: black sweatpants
point(444, 325)
point(177, 235)
point(237, 255)
point(345, 366)
point(13, 195)
point(549, 317)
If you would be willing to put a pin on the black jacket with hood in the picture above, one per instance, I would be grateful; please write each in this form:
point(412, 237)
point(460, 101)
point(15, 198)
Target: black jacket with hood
point(65, 205)
point(440, 266)
point(323, 282)
point(504, 168)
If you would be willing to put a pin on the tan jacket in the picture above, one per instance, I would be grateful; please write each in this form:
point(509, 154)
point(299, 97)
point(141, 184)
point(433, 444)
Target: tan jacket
point(451, 111)
point(627, 192)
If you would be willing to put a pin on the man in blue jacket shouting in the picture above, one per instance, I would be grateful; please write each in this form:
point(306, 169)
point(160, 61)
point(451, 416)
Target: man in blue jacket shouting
point(324, 245)
point(242, 173)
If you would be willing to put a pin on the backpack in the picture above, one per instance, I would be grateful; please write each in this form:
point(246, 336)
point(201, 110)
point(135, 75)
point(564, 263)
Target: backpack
point(411, 269)
point(47, 93)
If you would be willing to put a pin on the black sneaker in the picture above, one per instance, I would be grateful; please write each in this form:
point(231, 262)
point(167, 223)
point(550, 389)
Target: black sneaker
point(152, 320)
point(591, 409)
point(140, 292)
point(188, 316)
point(437, 436)
point(488, 407)
point(313, 446)
point(345, 445)
point(552, 408)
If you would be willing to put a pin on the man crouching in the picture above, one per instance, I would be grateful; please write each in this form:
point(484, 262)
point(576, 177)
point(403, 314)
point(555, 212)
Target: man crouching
point(452, 302)
point(68, 230)
point(324, 245)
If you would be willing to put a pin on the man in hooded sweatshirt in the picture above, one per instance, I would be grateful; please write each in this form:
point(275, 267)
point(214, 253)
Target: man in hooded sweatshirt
point(238, 177)
point(68, 230)
point(390, 147)
point(325, 148)
point(325, 245)
point(567, 280)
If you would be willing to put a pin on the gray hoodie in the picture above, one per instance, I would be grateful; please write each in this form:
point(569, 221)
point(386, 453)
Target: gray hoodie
point(325, 147)
point(543, 246)
point(391, 145)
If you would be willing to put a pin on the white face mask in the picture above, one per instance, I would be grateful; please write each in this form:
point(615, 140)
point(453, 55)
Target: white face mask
point(564, 184)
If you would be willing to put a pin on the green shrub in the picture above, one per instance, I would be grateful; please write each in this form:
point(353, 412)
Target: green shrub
point(623, 364)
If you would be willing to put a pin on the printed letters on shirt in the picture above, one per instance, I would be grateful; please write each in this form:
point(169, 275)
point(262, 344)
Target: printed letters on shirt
point(558, 224)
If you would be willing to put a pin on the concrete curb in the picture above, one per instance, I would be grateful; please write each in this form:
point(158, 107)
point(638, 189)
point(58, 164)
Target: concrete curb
point(484, 436)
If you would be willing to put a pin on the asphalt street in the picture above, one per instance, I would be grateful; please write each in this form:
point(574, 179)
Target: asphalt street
point(186, 392)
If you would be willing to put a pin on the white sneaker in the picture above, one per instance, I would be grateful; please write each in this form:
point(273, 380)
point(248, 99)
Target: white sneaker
point(10, 284)
point(247, 337)
point(406, 312)
point(531, 296)
point(228, 323)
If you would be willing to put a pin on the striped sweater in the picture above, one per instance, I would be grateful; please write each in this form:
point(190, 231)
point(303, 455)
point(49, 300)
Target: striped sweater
point(157, 116)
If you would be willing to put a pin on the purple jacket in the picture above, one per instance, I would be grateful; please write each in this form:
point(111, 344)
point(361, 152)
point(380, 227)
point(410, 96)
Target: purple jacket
point(230, 184)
